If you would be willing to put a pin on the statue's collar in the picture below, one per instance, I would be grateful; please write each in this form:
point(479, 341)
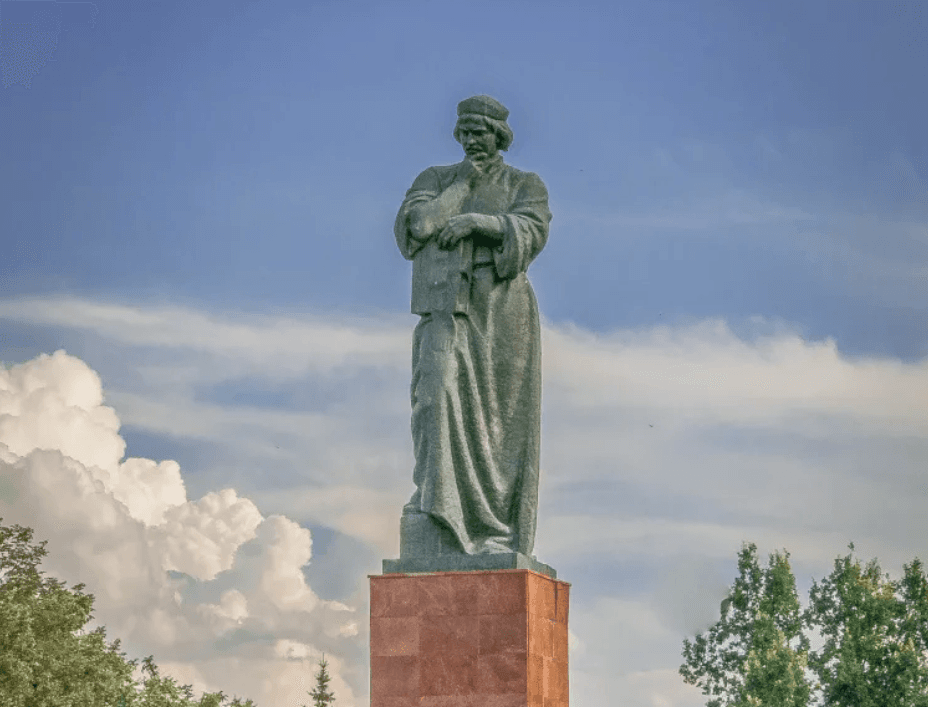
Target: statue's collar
point(493, 166)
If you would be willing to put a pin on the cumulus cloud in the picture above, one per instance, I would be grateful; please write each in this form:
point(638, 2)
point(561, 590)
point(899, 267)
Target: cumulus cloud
point(170, 575)
point(55, 402)
point(663, 449)
point(201, 538)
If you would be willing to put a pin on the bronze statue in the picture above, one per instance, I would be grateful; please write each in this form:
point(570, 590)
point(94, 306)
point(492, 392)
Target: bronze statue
point(471, 230)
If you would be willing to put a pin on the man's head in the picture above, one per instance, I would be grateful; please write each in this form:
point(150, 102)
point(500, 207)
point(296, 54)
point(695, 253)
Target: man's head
point(481, 128)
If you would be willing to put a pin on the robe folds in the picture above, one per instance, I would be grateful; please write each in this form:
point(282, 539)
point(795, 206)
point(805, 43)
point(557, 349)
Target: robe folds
point(476, 362)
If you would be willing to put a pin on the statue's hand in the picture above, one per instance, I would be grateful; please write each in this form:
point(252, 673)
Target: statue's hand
point(458, 227)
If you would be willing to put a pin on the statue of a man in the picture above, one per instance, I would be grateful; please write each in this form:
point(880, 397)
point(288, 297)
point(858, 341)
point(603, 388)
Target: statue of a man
point(471, 230)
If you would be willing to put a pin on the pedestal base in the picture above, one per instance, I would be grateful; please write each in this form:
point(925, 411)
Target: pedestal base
point(469, 639)
point(427, 545)
point(467, 563)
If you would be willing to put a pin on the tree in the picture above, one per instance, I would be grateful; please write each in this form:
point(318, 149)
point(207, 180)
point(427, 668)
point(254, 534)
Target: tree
point(913, 626)
point(44, 659)
point(321, 695)
point(874, 632)
point(756, 653)
point(774, 673)
point(164, 692)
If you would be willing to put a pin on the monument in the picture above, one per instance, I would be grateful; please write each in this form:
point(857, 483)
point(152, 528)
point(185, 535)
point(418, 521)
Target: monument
point(467, 614)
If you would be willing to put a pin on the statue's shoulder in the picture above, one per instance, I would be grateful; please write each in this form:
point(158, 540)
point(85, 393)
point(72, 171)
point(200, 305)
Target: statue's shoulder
point(521, 174)
point(439, 176)
point(446, 173)
point(446, 169)
point(525, 180)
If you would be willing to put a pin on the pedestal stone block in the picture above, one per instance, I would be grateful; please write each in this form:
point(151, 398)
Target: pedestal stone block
point(469, 639)
point(464, 563)
point(427, 545)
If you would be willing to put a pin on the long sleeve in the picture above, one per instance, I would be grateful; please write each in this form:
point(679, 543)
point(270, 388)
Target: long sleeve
point(526, 228)
point(425, 188)
point(439, 280)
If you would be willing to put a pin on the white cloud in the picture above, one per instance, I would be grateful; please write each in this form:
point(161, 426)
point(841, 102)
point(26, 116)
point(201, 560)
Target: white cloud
point(289, 547)
point(231, 610)
point(368, 514)
point(120, 526)
point(240, 344)
point(706, 369)
point(55, 402)
point(148, 488)
point(183, 674)
point(766, 437)
point(622, 640)
point(201, 538)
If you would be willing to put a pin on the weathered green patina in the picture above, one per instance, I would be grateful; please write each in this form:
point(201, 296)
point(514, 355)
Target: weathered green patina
point(472, 229)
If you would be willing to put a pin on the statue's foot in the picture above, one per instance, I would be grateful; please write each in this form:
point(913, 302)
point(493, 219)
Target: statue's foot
point(423, 535)
point(493, 546)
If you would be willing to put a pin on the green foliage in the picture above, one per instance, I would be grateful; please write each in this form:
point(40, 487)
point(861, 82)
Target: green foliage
point(755, 654)
point(874, 630)
point(42, 661)
point(322, 696)
point(774, 673)
point(913, 624)
point(164, 692)
point(45, 660)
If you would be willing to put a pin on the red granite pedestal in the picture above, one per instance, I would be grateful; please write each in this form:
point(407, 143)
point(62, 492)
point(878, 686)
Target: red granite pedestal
point(469, 639)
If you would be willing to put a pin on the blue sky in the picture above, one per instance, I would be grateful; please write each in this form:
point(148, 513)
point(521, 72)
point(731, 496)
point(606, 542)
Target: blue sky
point(198, 201)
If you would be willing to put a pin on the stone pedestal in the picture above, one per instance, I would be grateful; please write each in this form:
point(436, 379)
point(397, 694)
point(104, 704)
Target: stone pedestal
point(426, 545)
point(469, 639)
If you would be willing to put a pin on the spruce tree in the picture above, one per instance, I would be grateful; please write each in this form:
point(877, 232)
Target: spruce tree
point(322, 696)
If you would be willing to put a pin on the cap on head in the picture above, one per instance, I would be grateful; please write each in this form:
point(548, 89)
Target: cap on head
point(483, 105)
point(490, 112)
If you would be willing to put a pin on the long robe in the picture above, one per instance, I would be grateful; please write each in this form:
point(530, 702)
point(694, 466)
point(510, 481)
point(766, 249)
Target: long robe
point(476, 364)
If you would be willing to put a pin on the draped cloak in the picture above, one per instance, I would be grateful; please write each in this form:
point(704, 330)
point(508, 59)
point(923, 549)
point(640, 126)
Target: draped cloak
point(476, 362)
